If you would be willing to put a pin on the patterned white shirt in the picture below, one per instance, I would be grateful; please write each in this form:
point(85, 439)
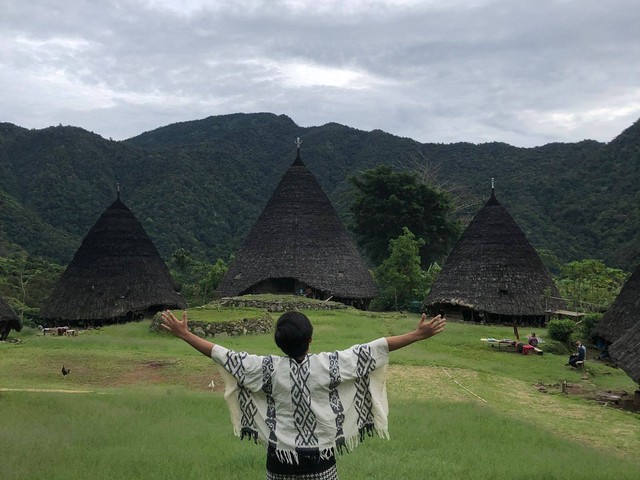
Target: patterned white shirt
point(327, 402)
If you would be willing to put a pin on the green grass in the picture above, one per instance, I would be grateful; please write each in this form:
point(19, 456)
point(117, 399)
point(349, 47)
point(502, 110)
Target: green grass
point(151, 415)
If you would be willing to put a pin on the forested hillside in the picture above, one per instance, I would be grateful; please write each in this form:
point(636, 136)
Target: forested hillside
point(200, 185)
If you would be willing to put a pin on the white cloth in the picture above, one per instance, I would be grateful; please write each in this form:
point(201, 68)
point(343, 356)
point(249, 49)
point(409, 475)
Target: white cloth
point(326, 403)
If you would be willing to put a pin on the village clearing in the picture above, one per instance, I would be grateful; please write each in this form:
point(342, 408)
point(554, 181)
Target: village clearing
point(151, 407)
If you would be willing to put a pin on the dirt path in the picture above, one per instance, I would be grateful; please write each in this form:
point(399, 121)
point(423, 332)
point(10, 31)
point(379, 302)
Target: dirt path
point(44, 390)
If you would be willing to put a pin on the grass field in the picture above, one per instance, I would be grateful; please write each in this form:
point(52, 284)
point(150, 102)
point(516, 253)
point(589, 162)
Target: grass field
point(137, 405)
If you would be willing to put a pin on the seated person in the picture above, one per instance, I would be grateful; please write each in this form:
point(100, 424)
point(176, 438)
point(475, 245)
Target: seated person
point(533, 340)
point(579, 356)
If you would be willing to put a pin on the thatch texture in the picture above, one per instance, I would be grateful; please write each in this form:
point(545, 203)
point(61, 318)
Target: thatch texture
point(624, 312)
point(494, 269)
point(299, 238)
point(116, 274)
point(8, 320)
point(626, 351)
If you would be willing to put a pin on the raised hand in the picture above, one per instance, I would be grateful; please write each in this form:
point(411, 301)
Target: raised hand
point(179, 328)
point(427, 329)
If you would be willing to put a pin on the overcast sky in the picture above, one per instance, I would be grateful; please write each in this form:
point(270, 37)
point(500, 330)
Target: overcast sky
point(525, 72)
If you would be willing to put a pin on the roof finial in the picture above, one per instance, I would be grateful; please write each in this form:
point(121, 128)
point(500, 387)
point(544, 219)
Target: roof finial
point(298, 160)
point(118, 190)
point(493, 200)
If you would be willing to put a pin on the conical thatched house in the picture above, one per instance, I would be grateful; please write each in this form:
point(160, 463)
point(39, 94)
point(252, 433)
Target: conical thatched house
point(626, 352)
point(8, 320)
point(116, 275)
point(623, 314)
point(494, 274)
point(618, 333)
point(299, 245)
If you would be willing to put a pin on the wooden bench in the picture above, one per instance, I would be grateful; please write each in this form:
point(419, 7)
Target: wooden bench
point(580, 364)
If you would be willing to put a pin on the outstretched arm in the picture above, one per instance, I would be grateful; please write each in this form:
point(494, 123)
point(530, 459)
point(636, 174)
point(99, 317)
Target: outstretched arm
point(180, 329)
point(426, 329)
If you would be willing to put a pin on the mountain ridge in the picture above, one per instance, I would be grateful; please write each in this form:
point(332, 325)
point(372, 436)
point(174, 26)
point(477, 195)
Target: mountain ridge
point(201, 184)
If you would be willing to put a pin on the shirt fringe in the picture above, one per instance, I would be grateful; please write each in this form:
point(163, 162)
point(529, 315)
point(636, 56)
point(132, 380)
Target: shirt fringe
point(287, 456)
point(341, 448)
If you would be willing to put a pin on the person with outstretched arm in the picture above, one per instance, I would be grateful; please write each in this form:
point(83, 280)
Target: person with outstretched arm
point(305, 407)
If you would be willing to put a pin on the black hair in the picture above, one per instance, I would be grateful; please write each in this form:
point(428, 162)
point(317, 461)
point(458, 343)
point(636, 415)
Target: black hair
point(293, 334)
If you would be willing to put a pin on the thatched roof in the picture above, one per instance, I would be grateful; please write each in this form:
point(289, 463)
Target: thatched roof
point(8, 319)
point(626, 351)
point(116, 272)
point(300, 236)
point(493, 268)
point(623, 313)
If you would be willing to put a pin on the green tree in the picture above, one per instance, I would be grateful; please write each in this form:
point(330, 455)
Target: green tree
point(196, 278)
point(181, 259)
point(431, 274)
point(26, 282)
point(213, 278)
point(386, 201)
point(400, 277)
point(590, 285)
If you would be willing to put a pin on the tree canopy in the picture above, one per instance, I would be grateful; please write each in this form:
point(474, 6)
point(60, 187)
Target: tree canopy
point(386, 201)
point(590, 284)
point(25, 282)
point(400, 277)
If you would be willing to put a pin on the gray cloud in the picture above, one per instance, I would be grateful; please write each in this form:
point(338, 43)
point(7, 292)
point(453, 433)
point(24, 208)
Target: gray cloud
point(525, 73)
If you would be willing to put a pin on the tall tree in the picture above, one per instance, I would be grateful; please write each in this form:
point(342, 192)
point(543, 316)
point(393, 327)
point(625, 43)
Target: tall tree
point(400, 277)
point(386, 201)
point(213, 278)
point(590, 284)
point(26, 281)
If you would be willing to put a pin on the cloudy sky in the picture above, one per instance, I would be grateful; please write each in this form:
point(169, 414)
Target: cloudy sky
point(525, 72)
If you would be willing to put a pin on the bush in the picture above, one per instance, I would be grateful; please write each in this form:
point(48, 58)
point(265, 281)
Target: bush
point(561, 329)
point(555, 347)
point(28, 331)
point(588, 324)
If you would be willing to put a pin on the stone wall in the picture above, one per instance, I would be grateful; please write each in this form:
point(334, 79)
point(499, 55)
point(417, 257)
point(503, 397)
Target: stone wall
point(281, 305)
point(243, 326)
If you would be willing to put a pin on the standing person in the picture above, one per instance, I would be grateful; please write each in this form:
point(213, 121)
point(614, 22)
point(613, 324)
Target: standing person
point(579, 356)
point(305, 407)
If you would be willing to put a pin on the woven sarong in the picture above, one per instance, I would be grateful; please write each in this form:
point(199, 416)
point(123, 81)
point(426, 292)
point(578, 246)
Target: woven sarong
point(330, 474)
